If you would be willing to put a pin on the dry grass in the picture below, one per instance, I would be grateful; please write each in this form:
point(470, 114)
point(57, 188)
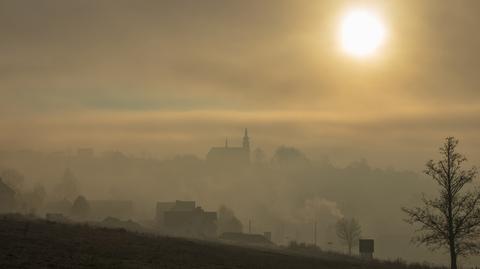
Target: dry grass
point(33, 243)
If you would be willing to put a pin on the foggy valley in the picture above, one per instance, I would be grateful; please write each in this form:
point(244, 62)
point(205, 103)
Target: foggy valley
point(286, 194)
point(327, 134)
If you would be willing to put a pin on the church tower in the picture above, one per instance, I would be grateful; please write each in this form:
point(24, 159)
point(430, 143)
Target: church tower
point(246, 140)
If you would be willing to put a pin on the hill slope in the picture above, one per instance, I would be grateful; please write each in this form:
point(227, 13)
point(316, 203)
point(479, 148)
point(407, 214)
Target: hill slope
point(40, 244)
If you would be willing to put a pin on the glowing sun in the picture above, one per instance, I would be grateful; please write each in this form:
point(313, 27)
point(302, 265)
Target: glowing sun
point(362, 33)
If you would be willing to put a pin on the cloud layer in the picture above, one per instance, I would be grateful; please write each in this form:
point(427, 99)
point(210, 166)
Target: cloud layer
point(179, 76)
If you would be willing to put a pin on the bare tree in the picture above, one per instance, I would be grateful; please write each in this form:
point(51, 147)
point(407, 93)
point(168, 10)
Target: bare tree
point(451, 220)
point(348, 231)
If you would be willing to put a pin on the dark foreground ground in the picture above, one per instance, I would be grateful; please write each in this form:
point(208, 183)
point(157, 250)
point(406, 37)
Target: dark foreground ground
point(39, 244)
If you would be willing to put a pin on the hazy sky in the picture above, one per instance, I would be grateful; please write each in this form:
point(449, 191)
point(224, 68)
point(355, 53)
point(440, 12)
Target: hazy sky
point(178, 76)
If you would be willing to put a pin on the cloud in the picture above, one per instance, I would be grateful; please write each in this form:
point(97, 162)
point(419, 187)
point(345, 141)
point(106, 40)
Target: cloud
point(410, 136)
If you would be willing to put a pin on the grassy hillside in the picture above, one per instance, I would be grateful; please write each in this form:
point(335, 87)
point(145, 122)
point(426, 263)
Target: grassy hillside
point(39, 244)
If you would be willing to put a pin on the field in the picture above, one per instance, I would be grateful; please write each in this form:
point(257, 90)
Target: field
point(33, 243)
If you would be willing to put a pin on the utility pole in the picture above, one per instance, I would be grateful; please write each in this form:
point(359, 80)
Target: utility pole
point(282, 232)
point(315, 234)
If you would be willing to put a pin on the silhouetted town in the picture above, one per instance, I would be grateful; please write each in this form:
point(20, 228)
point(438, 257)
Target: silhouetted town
point(175, 218)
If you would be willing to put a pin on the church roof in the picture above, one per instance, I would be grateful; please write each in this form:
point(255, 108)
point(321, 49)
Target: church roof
point(236, 156)
point(226, 152)
point(226, 149)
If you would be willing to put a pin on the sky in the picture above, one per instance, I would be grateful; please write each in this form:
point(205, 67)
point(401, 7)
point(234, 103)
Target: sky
point(179, 76)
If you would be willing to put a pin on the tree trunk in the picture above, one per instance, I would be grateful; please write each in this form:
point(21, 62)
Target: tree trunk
point(453, 257)
point(451, 236)
point(350, 249)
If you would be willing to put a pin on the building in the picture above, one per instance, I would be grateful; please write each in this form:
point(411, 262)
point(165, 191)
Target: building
point(163, 207)
point(228, 156)
point(63, 207)
point(56, 217)
point(366, 248)
point(7, 198)
point(184, 218)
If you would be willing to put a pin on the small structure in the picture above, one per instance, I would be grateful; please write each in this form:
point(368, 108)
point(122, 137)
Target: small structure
point(162, 207)
point(101, 209)
point(366, 248)
point(62, 207)
point(56, 217)
point(7, 198)
point(246, 239)
point(115, 223)
point(183, 218)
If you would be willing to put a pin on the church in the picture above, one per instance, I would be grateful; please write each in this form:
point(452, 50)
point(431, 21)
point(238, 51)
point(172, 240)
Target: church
point(230, 156)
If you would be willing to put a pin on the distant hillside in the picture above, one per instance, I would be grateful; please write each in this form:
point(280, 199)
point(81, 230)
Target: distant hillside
point(34, 243)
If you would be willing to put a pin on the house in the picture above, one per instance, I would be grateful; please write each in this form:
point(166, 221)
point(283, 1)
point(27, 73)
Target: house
point(163, 207)
point(7, 198)
point(184, 218)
